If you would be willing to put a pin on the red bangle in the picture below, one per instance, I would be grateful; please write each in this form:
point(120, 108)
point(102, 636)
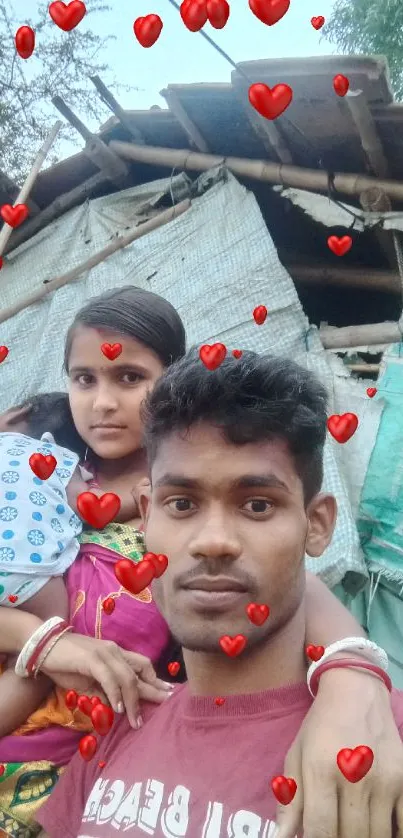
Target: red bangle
point(41, 645)
point(346, 663)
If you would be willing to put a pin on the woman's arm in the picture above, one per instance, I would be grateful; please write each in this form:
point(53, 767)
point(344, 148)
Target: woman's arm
point(16, 627)
point(327, 620)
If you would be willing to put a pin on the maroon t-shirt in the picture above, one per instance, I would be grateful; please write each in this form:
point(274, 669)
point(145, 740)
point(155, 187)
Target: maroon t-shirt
point(194, 769)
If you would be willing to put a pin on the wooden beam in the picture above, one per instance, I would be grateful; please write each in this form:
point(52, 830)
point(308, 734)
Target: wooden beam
point(97, 151)
point(314, 180)
point(357, 104)
point(343, 277)
point(175, 106)
point(371, 334)
point(109, 100)
point(266, 130)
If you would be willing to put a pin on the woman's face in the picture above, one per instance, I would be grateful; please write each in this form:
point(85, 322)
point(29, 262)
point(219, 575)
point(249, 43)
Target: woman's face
point(105, 396)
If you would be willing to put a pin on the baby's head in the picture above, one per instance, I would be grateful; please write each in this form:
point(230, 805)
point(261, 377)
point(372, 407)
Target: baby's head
point(50, 412)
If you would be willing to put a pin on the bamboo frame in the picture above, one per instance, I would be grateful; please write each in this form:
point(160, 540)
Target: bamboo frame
point(349, 337)
point(117, 244)
point(21, 198)
point(175, 106)
point(274, 173)
point(324, 275)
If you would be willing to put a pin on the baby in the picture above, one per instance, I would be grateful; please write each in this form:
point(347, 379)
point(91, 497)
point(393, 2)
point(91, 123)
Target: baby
point(39, 526)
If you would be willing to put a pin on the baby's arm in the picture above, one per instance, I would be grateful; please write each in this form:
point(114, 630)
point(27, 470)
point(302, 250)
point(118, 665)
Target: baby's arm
point(19, 697)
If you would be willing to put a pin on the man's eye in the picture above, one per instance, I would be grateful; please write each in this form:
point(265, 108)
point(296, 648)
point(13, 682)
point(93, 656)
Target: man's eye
point(259, 506)
point(180, 504)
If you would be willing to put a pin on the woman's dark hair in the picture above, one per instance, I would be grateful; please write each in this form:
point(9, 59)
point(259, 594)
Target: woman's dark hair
point(253, 399)
point(138, 313)
point(51, 412)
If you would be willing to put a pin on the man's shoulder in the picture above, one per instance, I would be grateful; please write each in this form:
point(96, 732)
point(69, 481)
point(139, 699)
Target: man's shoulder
point(397, 707)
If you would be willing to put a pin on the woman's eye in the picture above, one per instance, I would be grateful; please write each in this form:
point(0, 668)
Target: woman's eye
point(259, 506)
point(84, 379)
point(131, 377)
point(180, 505)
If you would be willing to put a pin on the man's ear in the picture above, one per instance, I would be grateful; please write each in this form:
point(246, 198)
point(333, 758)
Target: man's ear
point(142, 494)
point(322, 514)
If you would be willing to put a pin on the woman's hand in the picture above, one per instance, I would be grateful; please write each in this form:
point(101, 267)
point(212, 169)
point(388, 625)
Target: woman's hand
point(85, 664)
point(351, 709)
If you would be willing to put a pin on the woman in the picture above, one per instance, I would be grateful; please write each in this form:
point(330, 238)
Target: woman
point(146, 334)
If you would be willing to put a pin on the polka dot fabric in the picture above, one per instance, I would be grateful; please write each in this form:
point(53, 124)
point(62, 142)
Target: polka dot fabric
point(38, 528)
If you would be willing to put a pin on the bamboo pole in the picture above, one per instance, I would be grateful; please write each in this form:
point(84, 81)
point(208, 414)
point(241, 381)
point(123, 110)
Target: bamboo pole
point(364, 368)
point(324, 275)
point(369, 335)
point(275, 173)
point(6, 230)
point(118, 244)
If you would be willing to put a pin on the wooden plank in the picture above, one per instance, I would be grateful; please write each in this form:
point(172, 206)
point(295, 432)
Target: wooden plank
point(265, 129)
point(175, 105)
point(371, 334)
point(123, 117)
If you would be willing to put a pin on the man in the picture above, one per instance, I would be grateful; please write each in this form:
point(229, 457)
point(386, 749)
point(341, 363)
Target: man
point(236, 472)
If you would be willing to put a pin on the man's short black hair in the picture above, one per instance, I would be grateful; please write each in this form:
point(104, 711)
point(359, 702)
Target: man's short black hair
point(253, 399)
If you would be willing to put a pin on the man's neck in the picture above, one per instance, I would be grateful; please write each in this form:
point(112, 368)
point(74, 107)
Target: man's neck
point(277, 663)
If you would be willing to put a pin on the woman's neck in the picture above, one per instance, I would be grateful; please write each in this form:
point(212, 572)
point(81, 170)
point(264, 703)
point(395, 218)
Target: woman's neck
point(133, 464)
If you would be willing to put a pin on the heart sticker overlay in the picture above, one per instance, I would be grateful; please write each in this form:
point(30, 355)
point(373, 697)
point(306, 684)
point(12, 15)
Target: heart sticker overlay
point(173, 668)
point(25, 41)
point(111, 350)
point(102, 718)
point(259, 315)
point(71, 699)
point(84, 704)
point(339, 245)
point(12, 598)
point(317, 22)
point(3, 353)
point(270, 102)
point(95, 700)
point(194, 14)
point(341, 84)
point(284, 789)
point(218, 12)
point(237, 353)
point(219, 701)
point(212, 356)
point(371, 392)
point(269, 11)
point(102, 763)
point(67, 15)
point(88, 746)
point(147, 30)
point(134, 577)
point(98, 512)
point(2, 770)
point(160, 563)
point(42, 465)
point(1, 263)
point(108, 605)
point(343, 427)
point(354, 763)
point(14, 216)
point(257, 614)
point(314, 653)
point(233, 646)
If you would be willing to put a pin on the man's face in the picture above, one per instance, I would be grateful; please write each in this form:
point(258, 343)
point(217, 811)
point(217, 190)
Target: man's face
point(231, 520)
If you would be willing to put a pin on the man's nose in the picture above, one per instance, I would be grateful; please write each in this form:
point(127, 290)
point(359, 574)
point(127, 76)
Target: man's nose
point(216, 538)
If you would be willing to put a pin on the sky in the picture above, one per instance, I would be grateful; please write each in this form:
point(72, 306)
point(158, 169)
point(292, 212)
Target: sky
point(180, 56)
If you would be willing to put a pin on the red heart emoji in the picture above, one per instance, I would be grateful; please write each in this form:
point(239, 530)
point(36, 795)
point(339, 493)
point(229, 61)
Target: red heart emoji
point(212, 356)
point(218, 13)
point(315, 652)
point(25, 41)
point(67, 15)
point(219, 701)
point(102, 718)
point(341, 245)
point(284, 789)
point(371, 392)
point(269, 11)
point(355, 763)
point(71, 699)
point(1, 263)
point(95, 700)
point(134, 577)
point(2, 770)
point(173, 668)
point(341, 84)
point(111, 350)
point(317, 22)
point(14, 216)
point(108, 605)
point(257, 614)
point(342, 427)
point(259, 315)
point(233, 646)
point(3, 353)
point(270, 102)
point(87, 746)
point(237, 353)
point(194, 14)
point(160, 563)
point(84, 704)
point(102, 763)
point(98, 512)
point(148, 29)
point(12, 598)
point(43, 466)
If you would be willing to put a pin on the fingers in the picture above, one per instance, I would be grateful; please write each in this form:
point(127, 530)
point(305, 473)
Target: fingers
point(120, 684)
point(152, 693)
point(289, 818)
point(399, 817)
point(141, 665)
point(320, 817)
point(354, 813)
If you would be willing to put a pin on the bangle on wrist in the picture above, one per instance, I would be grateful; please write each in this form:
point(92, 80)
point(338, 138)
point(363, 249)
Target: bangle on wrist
point(35, 645)
point(346, 663)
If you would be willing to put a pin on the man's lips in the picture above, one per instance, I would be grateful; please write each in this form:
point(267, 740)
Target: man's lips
point(219, 584)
